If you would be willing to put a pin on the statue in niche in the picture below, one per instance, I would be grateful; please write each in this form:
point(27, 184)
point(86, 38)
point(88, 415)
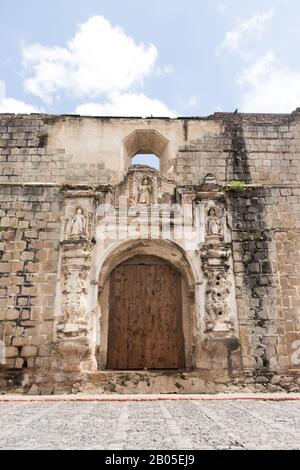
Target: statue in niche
point(78, 226)
point(213, 224)
point(145, 191)
point(75, 302)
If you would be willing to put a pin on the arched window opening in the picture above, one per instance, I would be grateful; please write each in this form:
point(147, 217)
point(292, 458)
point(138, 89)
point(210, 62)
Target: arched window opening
point(146, 147)
point(147, 159)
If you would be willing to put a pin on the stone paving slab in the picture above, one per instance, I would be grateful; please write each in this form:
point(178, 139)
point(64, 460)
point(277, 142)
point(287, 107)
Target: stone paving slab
point(151, 425)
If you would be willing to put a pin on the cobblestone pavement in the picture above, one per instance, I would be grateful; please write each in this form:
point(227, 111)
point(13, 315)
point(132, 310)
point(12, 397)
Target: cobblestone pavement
point(150, 425)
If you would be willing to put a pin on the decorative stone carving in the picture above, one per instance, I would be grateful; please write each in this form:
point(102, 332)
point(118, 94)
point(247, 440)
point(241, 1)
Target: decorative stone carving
point(222, 346)
point(75, 291)
point(145, 191)
point(78, 226)
point(216, 266)
point(143, 186)
point(74, 350)
point(217, 309)
point(210, 180)
point(214, 223)
point(73, 344)
point(74, 347)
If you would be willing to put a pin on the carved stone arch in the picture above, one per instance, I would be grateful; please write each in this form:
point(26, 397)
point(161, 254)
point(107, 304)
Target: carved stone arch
point(165, 249)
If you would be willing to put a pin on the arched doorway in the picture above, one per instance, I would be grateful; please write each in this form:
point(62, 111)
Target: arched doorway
point(145, 321)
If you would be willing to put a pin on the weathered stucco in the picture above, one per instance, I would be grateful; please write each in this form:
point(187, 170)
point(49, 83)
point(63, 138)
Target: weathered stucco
point(241, 242)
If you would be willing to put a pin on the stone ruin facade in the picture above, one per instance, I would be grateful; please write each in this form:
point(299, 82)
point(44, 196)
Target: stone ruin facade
point(83, 232)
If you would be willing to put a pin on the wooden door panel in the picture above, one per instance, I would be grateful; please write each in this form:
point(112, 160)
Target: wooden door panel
point(135, 293)
point(118, 328)
point(145, 318)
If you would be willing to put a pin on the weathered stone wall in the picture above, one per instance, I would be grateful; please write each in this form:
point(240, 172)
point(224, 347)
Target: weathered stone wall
point(258, 149)
point(30, 230)
point(40, 155)
point(266, 261)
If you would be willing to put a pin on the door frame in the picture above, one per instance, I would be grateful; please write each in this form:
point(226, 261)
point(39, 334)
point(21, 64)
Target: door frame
point(165, 251)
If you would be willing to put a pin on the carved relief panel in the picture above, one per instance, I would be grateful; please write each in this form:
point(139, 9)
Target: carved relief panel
point(79, 219)
point(75, 304)
point(216, 268)
point(216, 253)
point(144, 186)
point(73, 343)
point(213, 225)
point(146, 191)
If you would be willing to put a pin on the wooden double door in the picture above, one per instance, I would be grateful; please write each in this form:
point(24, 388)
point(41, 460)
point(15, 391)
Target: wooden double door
point(145, 317)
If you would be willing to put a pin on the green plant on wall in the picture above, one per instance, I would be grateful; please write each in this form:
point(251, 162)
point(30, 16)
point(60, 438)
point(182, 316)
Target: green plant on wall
point(236, 186)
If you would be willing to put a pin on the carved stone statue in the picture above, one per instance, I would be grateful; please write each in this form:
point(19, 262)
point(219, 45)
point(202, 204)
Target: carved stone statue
point(213, 224)
point(145, 191)
point(78, 226)
point(75, 303)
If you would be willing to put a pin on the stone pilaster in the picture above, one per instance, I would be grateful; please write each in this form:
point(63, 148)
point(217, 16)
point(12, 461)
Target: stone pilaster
point(73, 345)
point(220, 321)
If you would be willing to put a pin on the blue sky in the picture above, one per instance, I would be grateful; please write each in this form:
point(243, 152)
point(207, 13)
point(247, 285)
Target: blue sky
point(142, 58)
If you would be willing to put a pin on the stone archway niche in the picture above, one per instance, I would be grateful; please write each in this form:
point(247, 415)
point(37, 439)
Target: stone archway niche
point(146, 141)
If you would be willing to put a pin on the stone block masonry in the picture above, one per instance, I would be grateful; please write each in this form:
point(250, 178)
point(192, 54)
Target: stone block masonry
point(235, 181)
point(29, 256)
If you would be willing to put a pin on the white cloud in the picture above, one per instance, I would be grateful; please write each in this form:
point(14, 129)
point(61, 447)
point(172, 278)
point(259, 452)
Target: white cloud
point(2, 90)
point(269, 87)
point(168, 69)
point(126, 104)
point(259, 70)
point(189, 102)
point(99, 59)
point(11, 105)
point(222, 7)
point(244, 31)
point(192, 101)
